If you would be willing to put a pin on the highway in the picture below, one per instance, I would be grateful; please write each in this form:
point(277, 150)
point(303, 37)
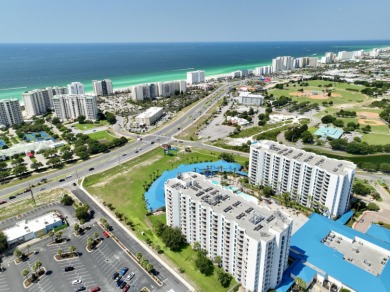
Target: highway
point(104, 161)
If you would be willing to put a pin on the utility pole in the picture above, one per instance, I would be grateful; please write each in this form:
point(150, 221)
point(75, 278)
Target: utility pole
point(32, 194)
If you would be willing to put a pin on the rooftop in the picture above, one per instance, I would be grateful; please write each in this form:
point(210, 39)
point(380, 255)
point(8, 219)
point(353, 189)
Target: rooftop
point(24, 227)
point(85, 96)
point(332, 166)
point(259, 222)
point(316, 245)
point(149, 112)
point(334, 133)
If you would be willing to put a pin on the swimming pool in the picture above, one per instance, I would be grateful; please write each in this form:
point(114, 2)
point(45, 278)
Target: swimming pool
point(215, 182)
point(248, 197)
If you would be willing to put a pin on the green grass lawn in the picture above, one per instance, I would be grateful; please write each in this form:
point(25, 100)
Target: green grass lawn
point(257, 129)
point(376, 139)
point(102, 136)
point(84, 127)
point(122, 186)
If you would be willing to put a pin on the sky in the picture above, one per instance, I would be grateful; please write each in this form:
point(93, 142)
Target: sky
point(97, 21)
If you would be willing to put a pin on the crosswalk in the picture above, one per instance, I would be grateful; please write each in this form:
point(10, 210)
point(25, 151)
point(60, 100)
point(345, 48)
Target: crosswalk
point(3, 283)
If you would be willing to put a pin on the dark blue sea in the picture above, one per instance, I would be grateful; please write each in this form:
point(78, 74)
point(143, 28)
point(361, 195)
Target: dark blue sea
point(28, 66)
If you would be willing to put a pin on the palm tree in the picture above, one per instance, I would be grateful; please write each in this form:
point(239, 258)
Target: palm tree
point(77, 228)
point(300, 283)
point(138, 255)
point(89, 242)
point(51, 234)
point(148, 266)
point(36, 266)
point(72, 249)
point(28, 248)
point(60, 252)
point(17, 253)
point(59, 235)
point(25, 273)
point(96, 235)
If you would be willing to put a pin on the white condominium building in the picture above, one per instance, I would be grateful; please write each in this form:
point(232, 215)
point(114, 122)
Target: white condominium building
point(264, 70)
point(39, 101)
point(102, 87)
point(312, 180)
point(153, 90)
point(71, 106)
point(194, 77)
point(252, 241)
point(150, 116)
point(248, 98)
point(10, 112)
point(76, 88)
point(282, 64)
point(344, 56)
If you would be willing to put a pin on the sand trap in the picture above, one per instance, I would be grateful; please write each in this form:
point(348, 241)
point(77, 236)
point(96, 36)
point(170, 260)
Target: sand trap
point(309, 94)
point(371, 122)
point(368, 115)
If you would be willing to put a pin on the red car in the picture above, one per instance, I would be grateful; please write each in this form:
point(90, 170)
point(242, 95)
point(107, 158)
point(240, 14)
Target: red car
point(105, 234)
point(127, 287)
point(96, 289)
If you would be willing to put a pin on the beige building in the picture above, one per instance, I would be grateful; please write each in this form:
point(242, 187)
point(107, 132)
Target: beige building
point(150, 116)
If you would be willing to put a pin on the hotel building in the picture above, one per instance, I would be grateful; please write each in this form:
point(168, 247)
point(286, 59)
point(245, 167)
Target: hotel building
point(102, 87)
point(312, 180)
point(153, 90)
point(282, 64)
point(10, 112)
point(252, 241)
point(75, 88)
point(194, 77)
point(39, 101)
point(71, 106)
point(150, 116)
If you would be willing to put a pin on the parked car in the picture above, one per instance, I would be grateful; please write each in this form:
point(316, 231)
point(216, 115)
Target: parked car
point(76, 282)
point(61, 180)
point(116, 274)
point(11, 197)
point(119, 282)
point(123, 271)
point(82, 288)
point(136, 151)
point(152, 142)
point(95, 289)
point(130, 276)
point(91, 169)
point(123, 285)
point(127, 287)
point(105, 234)
point(69, 268)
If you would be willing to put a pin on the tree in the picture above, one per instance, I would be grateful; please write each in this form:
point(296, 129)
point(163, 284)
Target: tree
point(54, 162)
point(327, 119)
point(90, 242)
point(82, 212)
point(111, 119)
point(20, 169)
point(50, 153)
point(104, 222)
point(77, 228)
point(58, 236)
point(4, 174)
point(51, 234)
point(139, 256)
point(148, 266)
point(218, 260)
point(196, 245)
point(60, 252)
point(67, 155)
point(3, 242)
point(28, 248)
point(72, 249)
point(18, 253)
point(372, 207)
point(300, 283)
point(361, 189)
point(385, 167)
point(96, 235)
point(224, 279)
point(3, 166)
point(67, 200)
point(25, 273)
point(55, 121)
point(81, 119)
point(307, 137)
point(204, 264)
point(173, 238)
point(268, 191)
point(36, 165)
point(36, 266)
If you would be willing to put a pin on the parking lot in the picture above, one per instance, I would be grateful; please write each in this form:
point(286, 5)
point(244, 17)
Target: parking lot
point(92, 268)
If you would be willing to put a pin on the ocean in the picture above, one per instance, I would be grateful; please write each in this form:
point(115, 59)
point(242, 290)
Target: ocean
point(29, 66)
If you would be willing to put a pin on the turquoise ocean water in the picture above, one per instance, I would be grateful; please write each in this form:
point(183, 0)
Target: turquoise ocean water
point(28, 66)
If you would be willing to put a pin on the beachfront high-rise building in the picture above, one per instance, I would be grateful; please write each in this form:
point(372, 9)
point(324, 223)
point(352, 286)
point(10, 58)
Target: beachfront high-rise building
point(75, 88)
point(305, 62)
point(153, 90)
point(312, 180)
point(102, 87)
point(71, 106)
point(10, 112)
point(264, 70)
point(252, 241)
point(194, 77)
point(344, 56)
point(282, 64)
point(39, 101)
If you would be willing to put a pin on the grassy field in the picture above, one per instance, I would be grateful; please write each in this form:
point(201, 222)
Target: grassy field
point(84, 127)
point(102, 136)
point(339, 88)
point(257, 129)
point(376, 138)
point(127, 198)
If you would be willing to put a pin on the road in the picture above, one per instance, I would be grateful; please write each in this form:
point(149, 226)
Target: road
point(108, 160)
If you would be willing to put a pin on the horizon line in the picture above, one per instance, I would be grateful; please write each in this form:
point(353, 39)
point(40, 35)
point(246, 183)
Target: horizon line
point(183, 42)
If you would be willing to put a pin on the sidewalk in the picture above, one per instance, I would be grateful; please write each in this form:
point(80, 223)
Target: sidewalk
point(146, 247)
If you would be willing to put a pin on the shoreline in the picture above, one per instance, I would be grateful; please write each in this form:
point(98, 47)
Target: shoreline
point(126, 82)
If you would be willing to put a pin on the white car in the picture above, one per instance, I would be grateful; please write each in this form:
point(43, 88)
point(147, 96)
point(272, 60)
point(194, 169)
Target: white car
point(130, 276)
point(76, 282)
